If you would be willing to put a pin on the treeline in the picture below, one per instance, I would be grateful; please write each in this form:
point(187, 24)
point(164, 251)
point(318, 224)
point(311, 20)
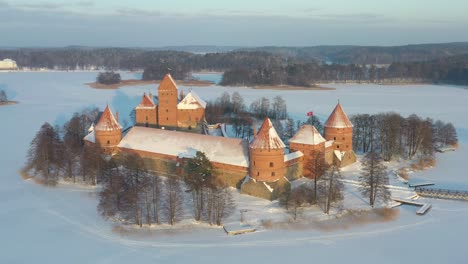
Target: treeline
point(394, 136)
point(135, 59)
point(445, 70)
point(59, 152)
point(108, 78)
point(369, 54)
point(231, 109)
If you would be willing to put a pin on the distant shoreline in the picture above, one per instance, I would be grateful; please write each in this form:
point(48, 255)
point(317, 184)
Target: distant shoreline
point(8, 103)
point(135, 82)
point(292, 88)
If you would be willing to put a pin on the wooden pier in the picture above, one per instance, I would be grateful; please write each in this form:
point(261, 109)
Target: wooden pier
point(442, 193)
point(425, 207)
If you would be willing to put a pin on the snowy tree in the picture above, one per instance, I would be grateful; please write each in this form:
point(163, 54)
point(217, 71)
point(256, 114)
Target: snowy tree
point(314, 121)
point(173, 200)
point(3, 96)
point(314, 168)
point(44, 154)
point(279, 108)
point(374, 179)
point(238, 105)
point(198, 175)
point(333, 188)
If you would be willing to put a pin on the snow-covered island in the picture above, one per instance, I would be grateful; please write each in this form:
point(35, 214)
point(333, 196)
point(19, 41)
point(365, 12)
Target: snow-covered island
point(73, 207)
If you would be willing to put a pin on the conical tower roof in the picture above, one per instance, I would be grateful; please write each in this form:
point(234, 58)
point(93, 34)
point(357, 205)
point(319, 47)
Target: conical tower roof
point(107, 122)
point(307, 134)
point(267, 138)
point(167, 83)
point(146, 102)
point(338, 118)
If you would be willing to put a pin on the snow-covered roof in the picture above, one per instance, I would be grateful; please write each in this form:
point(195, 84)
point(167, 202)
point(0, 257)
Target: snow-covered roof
point(107, 121)
point(338, 118)
point(339, 154)
point(307, 134)
point(267, 138)
point(191, 101)
point(91, 137)
point(167, 83)
point(268, 187)
point(329, 143)
point(91, 128)
point(146, 102)
point(293, 155)
point(230, 151)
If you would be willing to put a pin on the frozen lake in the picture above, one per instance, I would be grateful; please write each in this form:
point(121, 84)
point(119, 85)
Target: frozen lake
point(61, 225)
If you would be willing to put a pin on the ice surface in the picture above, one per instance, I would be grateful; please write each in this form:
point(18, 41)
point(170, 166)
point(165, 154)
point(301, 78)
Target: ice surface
point(61, 225)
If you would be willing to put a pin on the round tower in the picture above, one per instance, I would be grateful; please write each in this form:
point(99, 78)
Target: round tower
point(339, 129)
point(266, 153)
point(108, 131)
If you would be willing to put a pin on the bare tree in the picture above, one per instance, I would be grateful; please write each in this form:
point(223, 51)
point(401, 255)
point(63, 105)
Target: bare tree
point(315, 167)
point(173, 200)
point(333, 188)
point(222, 204)
point(374, 179)
point(237, 103)
point(279, 108)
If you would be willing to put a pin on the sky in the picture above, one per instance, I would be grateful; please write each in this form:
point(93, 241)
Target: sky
point(155, 23)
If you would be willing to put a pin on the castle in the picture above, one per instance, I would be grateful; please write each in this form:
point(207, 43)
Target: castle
point(261, 167)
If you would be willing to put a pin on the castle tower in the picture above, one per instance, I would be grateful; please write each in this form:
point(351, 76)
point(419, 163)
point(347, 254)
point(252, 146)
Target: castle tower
point(146, 112)
point(339, 129)
point(108, 131)
point(309, 141)
point(266, 152)
point(168, 99)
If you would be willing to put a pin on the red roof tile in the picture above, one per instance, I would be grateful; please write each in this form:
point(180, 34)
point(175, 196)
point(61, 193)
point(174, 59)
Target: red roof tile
point(167, 83)
point(267, 138)
point(146, 102)
point(338, 118)
point(107, 122)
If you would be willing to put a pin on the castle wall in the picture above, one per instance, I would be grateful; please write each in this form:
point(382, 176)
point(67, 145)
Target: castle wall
point(343, 137)
point(307, 149)
point(294, 169)
point(224, 174)
point(189, 117)
point(147, 117)
point(267, 165)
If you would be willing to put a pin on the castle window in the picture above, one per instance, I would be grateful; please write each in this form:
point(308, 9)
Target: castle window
point(271, 164)
point(254, 163)
point(146, 118)
point(343, 138)
point(108, 141)
point(258, 173)
point(272, 174)
point(334, 138)
point(337, 146)
point(167, 118)
point(167, 110)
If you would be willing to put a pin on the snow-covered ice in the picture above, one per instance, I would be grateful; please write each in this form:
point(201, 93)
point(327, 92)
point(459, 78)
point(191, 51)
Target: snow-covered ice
point(61, 225)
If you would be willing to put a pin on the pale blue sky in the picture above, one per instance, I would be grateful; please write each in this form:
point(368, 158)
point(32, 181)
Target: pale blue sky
point(240, 22)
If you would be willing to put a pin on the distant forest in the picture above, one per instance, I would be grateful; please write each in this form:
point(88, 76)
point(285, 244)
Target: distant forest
point(430, 63)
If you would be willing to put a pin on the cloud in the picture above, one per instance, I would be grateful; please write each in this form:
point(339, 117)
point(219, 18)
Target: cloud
point(85, 3)
point(138, 12)
point(4, 4)
point(44, 5)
